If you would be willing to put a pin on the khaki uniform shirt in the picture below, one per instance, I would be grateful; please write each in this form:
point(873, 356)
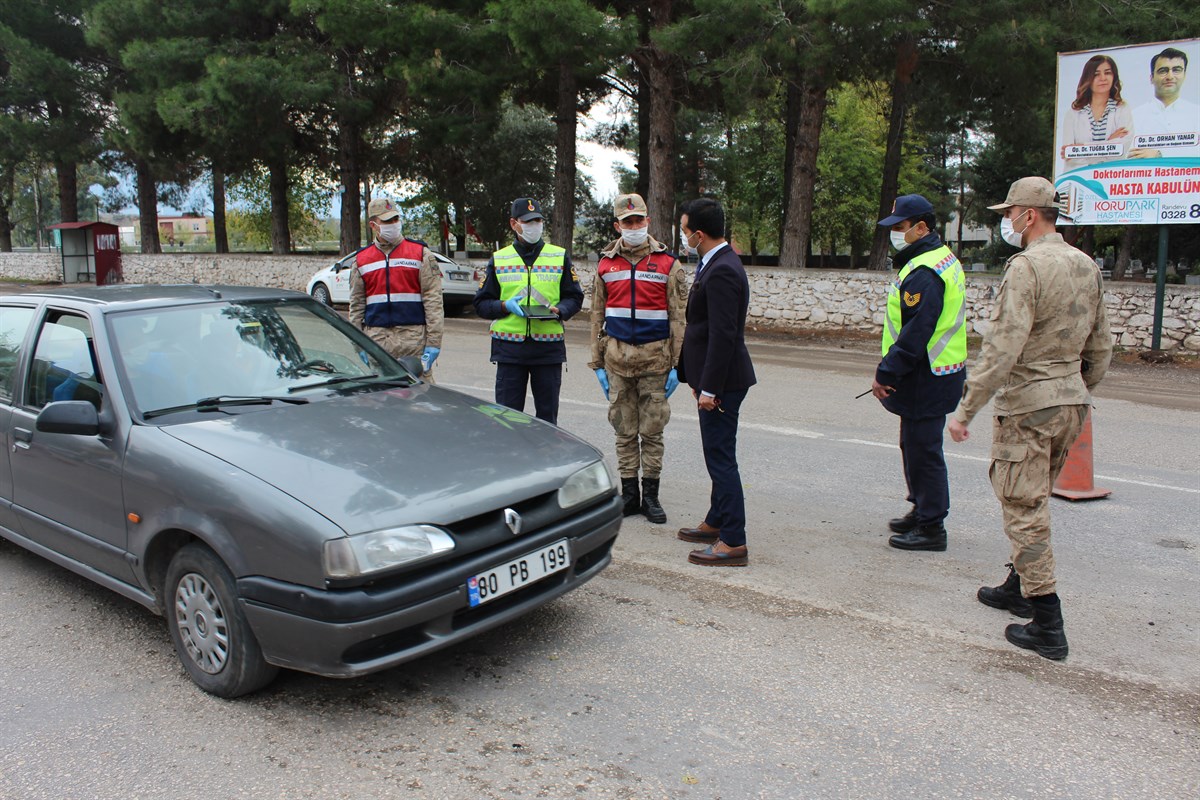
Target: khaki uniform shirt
point(404, 339)
point(632, 360)
point(1049, 343)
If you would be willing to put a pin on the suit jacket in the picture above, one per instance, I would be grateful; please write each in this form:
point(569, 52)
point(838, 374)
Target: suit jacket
point(714, 357)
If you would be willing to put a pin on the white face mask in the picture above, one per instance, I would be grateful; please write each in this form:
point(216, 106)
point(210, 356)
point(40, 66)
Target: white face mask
point(634, 237)
point(683, 242)
point(897, 238)
point(531, 232)
point(1010, 234)
point(389, 231)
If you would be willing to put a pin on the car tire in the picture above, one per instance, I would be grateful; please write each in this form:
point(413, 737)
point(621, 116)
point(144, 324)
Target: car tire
point(211, 634)
point(320, 293)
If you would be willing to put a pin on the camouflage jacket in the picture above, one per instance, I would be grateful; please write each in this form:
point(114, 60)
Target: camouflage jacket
point(1049, 342)
point(632, 360)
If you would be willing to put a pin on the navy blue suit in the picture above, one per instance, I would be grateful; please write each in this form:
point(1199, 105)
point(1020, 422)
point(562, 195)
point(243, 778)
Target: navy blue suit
point(714, 359)
point(922, 399)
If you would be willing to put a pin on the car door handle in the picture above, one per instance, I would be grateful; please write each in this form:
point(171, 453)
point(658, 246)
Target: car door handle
point(22, 437)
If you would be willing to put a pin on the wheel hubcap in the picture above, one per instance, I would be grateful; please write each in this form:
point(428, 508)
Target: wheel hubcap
point(202, 624)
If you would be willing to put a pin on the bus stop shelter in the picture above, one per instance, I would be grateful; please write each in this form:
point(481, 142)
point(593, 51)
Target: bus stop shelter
point(91, 251)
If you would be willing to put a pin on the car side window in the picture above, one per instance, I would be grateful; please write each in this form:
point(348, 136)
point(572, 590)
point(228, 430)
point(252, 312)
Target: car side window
point(64, 362)
point(14, 324)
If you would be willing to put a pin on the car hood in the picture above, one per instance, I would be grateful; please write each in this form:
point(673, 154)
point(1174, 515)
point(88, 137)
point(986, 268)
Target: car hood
point(376, 459)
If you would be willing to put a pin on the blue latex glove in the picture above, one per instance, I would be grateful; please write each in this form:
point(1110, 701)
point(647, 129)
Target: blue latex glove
point(514, 307)
point(602, 376)
point(672, 381)
point(429, 356)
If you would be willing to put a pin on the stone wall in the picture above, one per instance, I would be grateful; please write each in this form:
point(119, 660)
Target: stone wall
point(780, 298)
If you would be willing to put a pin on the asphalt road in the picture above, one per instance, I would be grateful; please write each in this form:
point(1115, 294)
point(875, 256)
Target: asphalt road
point(832, 667)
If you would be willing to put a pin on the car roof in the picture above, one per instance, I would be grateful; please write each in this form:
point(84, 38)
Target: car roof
point(123, 297)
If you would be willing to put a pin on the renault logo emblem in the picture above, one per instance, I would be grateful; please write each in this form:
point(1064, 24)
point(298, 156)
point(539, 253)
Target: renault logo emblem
point(513, 520)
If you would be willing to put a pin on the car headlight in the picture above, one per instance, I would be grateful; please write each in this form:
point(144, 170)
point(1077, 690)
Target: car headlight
point(368, 553)
point(586, 484)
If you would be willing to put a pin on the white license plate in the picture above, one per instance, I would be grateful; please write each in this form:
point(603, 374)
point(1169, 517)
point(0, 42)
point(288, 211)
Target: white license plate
point(519, 572)
point(459, 276)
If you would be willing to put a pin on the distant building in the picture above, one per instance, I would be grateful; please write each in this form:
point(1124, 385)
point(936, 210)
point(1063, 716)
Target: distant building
point(972, 235)
point(182, 231)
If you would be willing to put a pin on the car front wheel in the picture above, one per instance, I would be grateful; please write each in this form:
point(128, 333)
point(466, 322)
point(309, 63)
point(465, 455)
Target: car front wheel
point(320, 293)
point(210, 632)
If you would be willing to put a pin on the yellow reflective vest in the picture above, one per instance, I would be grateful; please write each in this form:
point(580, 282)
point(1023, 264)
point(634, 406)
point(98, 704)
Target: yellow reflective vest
point(947, 347)
point(540, 283)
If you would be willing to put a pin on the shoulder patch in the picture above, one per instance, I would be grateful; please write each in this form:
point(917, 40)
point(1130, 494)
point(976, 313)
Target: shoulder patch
point(911, 300)
point(574, 275)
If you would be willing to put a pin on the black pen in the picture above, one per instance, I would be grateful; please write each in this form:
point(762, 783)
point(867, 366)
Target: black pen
point(864, 394)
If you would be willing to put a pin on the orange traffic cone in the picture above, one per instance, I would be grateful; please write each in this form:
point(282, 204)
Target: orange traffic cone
point(1076, 481)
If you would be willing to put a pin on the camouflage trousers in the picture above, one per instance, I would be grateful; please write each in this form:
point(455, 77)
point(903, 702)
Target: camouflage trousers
point(1028, 452)
point(400, 341)
point(638, 410)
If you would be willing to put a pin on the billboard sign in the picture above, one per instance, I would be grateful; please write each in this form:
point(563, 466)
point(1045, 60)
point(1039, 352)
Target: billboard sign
point(1127, 134)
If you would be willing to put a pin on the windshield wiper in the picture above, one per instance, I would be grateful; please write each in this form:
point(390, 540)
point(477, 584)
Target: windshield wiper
point(216, 403)
point(331, 382)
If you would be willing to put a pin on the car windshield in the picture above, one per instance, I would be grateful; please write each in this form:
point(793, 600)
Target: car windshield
point(174, 358)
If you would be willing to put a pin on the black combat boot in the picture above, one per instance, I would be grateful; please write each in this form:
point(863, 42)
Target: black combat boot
point(904, 524)
point(629, 493)
point(1045, 634)
point(924, 537)
point(1007, 595)
point(650, 505)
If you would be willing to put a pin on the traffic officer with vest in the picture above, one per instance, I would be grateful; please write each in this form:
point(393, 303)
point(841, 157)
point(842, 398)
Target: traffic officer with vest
point(396, 289)
point(639, 303)
point(921, 376)
point(523, 279)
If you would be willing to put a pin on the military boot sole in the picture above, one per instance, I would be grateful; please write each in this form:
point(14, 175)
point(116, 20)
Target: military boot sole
point(1023, 609)
point(658, 517)
point(1016, 634)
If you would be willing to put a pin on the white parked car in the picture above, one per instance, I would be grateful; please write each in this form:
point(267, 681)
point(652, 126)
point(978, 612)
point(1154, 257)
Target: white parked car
point(332, 284)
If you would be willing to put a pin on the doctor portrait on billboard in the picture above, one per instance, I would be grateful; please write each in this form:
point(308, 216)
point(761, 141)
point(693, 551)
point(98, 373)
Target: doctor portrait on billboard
point(1165, 121)
point(1098, 116)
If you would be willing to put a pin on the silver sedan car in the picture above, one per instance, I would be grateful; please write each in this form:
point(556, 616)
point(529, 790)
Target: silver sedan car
point(247, 464)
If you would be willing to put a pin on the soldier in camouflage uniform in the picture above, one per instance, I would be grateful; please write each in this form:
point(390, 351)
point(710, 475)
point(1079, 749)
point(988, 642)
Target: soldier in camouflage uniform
point(396, 290)
point(1048, 346)
point(638, 304)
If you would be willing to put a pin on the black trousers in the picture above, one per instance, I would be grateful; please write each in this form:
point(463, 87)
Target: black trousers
point(925, 468)
point(718, 437)
point(512, 380)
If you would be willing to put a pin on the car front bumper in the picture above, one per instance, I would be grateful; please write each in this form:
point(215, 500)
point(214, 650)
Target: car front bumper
point(346, 633)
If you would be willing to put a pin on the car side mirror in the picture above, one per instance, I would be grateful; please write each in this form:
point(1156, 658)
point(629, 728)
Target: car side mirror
point(76, 417)
point(413, 365)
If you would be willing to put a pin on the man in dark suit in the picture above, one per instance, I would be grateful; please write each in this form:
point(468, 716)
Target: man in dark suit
point(716, 365)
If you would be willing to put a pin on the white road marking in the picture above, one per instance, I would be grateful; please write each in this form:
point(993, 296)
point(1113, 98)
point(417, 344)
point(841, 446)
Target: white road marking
point(803, 434)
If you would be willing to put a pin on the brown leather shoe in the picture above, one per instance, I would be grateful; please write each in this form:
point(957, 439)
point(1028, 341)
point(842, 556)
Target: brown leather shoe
point(720, 555)
point(701, 534)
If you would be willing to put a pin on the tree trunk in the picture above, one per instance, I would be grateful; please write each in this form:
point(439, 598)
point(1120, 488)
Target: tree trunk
point(906, 65)
point(644, 102)
point(147, 200)
point(659, 69)
point(281, 237)
point(562, 226)
point(791, 125)
point(797, 224)
point(7, 186)
point(1087, 240)
point(1124, 253)
point(351, 218)
point(68, 191)
point(460, 229)
point(220, 229)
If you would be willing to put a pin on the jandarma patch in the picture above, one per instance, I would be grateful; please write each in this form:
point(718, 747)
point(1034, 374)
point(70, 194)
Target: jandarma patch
point(911, 300)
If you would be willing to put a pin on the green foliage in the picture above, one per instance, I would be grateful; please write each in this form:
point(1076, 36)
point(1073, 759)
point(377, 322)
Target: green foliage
point(250, 215)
